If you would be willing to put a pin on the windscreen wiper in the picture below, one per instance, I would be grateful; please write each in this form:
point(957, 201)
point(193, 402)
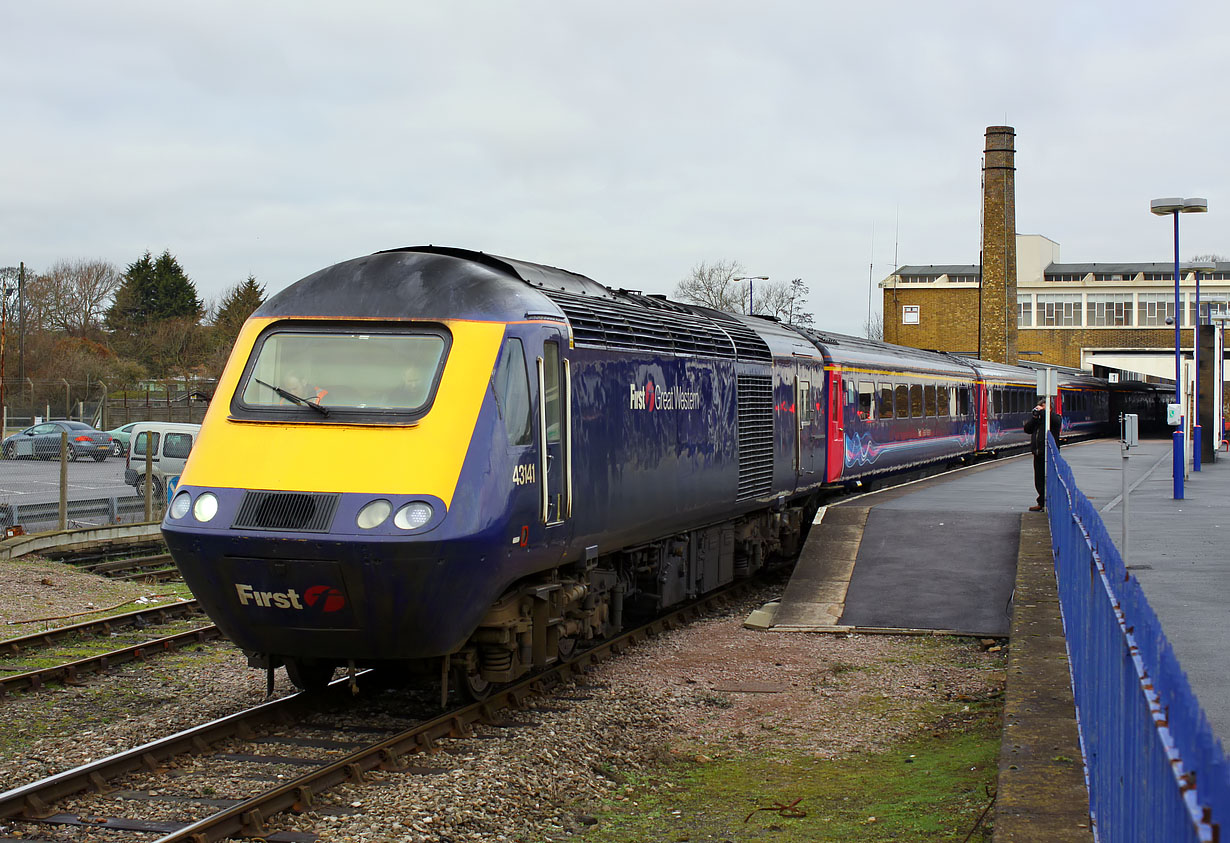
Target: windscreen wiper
point(290, 396)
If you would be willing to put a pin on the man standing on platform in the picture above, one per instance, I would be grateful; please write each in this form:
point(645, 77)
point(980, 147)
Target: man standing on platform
point(1036, 428)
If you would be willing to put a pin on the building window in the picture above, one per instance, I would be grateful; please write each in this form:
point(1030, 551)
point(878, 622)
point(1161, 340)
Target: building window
point(1024, 310)
point(1108, 309)
point(1152, 309)
point(1114, 276)
point(1159, 276)
point(915, 279)
point(1059, 310)
point(963, 279)
point(1066, 276)
point(1210, 304)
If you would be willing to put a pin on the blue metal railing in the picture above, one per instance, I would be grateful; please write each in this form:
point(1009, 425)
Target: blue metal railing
point(1154, 768)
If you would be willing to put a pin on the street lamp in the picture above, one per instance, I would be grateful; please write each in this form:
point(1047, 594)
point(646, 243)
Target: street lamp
point(1220, 318)
point(749, 279)
point(1174, 206)
point(1197, 267)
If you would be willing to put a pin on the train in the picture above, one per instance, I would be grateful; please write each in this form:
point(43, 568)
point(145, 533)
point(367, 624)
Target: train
point(442, 461)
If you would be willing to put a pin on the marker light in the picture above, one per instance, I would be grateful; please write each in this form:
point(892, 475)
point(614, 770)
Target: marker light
point(374, 514)
point(206, 506)
point(413, 515)
point(181, 505)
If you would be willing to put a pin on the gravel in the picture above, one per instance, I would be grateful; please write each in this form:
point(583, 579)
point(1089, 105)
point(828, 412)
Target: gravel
point(711, 690)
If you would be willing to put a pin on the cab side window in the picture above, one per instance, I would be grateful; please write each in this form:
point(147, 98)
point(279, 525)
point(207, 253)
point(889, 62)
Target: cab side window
point(512, 393)
point(550, 359)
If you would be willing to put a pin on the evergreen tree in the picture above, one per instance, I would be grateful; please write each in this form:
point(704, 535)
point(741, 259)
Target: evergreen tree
point(153, 289)
point(154, 293)
point(237, 305)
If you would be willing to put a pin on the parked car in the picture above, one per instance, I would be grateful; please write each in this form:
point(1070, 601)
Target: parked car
point(169, 444)
point(42, 442)
point(120, 438)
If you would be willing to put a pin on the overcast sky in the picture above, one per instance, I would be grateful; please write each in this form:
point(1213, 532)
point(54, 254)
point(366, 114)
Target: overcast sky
point(625, 141)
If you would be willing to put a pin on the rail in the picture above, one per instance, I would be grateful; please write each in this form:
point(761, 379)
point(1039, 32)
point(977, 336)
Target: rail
point(1154, 768)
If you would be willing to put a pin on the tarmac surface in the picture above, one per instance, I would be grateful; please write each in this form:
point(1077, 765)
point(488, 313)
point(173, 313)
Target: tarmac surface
point(941, 555)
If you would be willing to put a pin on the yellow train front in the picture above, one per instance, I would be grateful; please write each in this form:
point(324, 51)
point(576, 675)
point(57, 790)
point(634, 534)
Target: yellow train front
point(433, 454)
point(356, 494)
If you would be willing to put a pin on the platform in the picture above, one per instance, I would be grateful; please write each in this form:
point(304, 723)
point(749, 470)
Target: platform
point(940, 555)
point(935, 555)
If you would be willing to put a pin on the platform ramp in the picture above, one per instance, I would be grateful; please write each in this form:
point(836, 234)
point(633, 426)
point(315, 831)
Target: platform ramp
point(938, 555)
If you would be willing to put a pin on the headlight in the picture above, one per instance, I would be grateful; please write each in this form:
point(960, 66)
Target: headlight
point(373, 514)
point(206, 506)
point(181, 505)
point(413, 515)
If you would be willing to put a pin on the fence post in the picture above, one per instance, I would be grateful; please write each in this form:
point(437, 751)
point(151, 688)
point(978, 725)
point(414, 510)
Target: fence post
point(63, 480)
point(149, 476)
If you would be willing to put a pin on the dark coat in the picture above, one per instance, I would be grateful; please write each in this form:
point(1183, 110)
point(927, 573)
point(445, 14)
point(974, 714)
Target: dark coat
point(1034, 427)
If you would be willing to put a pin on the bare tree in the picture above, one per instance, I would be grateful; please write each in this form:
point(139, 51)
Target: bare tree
point(1211, 256)
point(784, 301)
point(72, 296)
point(873, 328)
point(713, 285)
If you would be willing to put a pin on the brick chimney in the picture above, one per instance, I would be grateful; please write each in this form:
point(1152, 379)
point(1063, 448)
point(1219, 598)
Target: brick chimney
point(997, 330)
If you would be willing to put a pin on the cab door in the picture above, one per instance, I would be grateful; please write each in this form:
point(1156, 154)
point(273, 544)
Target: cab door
point(554, 437)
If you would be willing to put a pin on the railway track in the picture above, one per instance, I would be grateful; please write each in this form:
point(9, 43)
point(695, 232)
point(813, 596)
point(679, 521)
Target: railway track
point(143, 561)
point(290, 743)
point(15, 675)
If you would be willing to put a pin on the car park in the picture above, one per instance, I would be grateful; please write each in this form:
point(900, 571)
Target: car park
point(120, 438)
point(42, 441)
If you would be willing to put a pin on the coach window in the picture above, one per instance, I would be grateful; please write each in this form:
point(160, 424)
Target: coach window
point(997, 401)
point(942, 396)
point(929, 398)
point(804, 403)
point(886, 400)
point(512, 393)
point(964, 400)
point(865, 390)
point(916, 401)
point(903, 401)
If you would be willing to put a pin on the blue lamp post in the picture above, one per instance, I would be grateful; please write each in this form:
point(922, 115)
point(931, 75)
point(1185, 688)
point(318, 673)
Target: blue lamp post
point(1174, 206)
point(1197, 267)
point(750, 279)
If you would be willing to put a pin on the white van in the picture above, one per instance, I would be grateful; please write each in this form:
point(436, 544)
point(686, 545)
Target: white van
point(169, 444)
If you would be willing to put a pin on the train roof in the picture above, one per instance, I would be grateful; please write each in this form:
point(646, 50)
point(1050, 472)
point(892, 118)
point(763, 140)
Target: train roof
point(859, 352)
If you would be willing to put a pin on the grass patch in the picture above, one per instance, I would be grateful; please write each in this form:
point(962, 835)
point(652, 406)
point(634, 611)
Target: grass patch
point(930, 788)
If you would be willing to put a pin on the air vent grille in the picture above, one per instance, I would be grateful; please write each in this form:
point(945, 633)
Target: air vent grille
point(299, 511)
point(755, 394)
point(658, 326)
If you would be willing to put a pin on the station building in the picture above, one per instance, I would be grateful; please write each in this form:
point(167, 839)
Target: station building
point(1109, 318)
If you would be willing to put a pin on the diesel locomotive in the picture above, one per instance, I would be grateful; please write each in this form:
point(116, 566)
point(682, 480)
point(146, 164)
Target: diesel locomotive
point(444, 460)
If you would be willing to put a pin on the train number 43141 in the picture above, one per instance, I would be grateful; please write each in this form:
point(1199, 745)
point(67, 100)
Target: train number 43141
point(523, 474)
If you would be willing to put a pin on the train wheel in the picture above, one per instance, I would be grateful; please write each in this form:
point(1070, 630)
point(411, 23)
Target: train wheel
point(472, 685)
point(309, 676)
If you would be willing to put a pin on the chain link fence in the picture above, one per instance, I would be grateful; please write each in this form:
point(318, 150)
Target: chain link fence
point(50, 481)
